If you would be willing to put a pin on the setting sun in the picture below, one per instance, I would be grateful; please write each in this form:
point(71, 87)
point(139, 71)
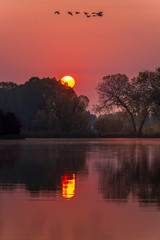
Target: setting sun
point(68, 81)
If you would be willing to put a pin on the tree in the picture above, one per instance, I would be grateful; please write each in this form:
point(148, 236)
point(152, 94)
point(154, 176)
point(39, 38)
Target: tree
point(40, 123)
point(105, 124)
point(9, 123)
point(1, 122)
point(115, 92)
point(68, 112)
point(144, 87)
point(12, 124)
point(135, 97)
point(81, 103)
point(8, 85)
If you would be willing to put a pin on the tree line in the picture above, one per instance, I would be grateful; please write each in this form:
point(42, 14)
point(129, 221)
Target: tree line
point(46, 108)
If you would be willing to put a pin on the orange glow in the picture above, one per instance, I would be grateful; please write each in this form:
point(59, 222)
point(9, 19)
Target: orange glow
point(68, 185)
point(68, 81)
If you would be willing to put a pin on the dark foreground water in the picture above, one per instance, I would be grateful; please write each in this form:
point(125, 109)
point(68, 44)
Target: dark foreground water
point(80, 189)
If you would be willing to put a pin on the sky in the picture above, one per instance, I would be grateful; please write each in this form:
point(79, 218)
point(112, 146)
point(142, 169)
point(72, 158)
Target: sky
point(36, 42)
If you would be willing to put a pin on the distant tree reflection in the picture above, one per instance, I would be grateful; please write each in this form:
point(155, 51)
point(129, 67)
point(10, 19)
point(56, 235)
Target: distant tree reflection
point(134, 169)
point(9, 157)
point(39, 167)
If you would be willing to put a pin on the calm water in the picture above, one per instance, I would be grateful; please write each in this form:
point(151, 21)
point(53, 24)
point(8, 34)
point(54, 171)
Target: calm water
point(80, 189)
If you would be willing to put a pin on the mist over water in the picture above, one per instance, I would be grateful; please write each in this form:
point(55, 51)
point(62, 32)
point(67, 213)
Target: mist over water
point(80, 189)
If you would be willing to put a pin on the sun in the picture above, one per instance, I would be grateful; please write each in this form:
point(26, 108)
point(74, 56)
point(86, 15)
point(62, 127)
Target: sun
point(68, 81)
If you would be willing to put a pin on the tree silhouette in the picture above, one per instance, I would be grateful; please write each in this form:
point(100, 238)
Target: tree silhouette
point(9, 123)
point(138, 98)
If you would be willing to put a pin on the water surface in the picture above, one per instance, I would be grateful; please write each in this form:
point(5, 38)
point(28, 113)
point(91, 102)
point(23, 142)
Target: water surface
point(80, 189)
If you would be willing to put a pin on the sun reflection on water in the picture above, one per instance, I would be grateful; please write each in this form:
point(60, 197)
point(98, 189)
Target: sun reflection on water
point(68, 185)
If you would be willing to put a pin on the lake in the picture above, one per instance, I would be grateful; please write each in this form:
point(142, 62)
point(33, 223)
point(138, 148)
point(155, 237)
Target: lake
point(81, 189)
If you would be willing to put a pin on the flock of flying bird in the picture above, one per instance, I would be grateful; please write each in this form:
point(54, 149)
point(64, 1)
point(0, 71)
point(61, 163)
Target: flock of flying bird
point(88, 15)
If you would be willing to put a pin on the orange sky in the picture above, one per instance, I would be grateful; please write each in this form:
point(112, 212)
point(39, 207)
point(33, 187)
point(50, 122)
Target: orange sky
point(35, 42)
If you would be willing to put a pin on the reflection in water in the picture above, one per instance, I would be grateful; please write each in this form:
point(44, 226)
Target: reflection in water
point(121, 171)
point(68, 185)
point(39, 168)
point(130, 170)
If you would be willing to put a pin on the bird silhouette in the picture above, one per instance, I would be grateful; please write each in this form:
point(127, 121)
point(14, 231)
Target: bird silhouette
point(77, 12)
point(94, 14)
point(87, 15)
point(70, 13)
point(100, 14)
point(56, 12)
